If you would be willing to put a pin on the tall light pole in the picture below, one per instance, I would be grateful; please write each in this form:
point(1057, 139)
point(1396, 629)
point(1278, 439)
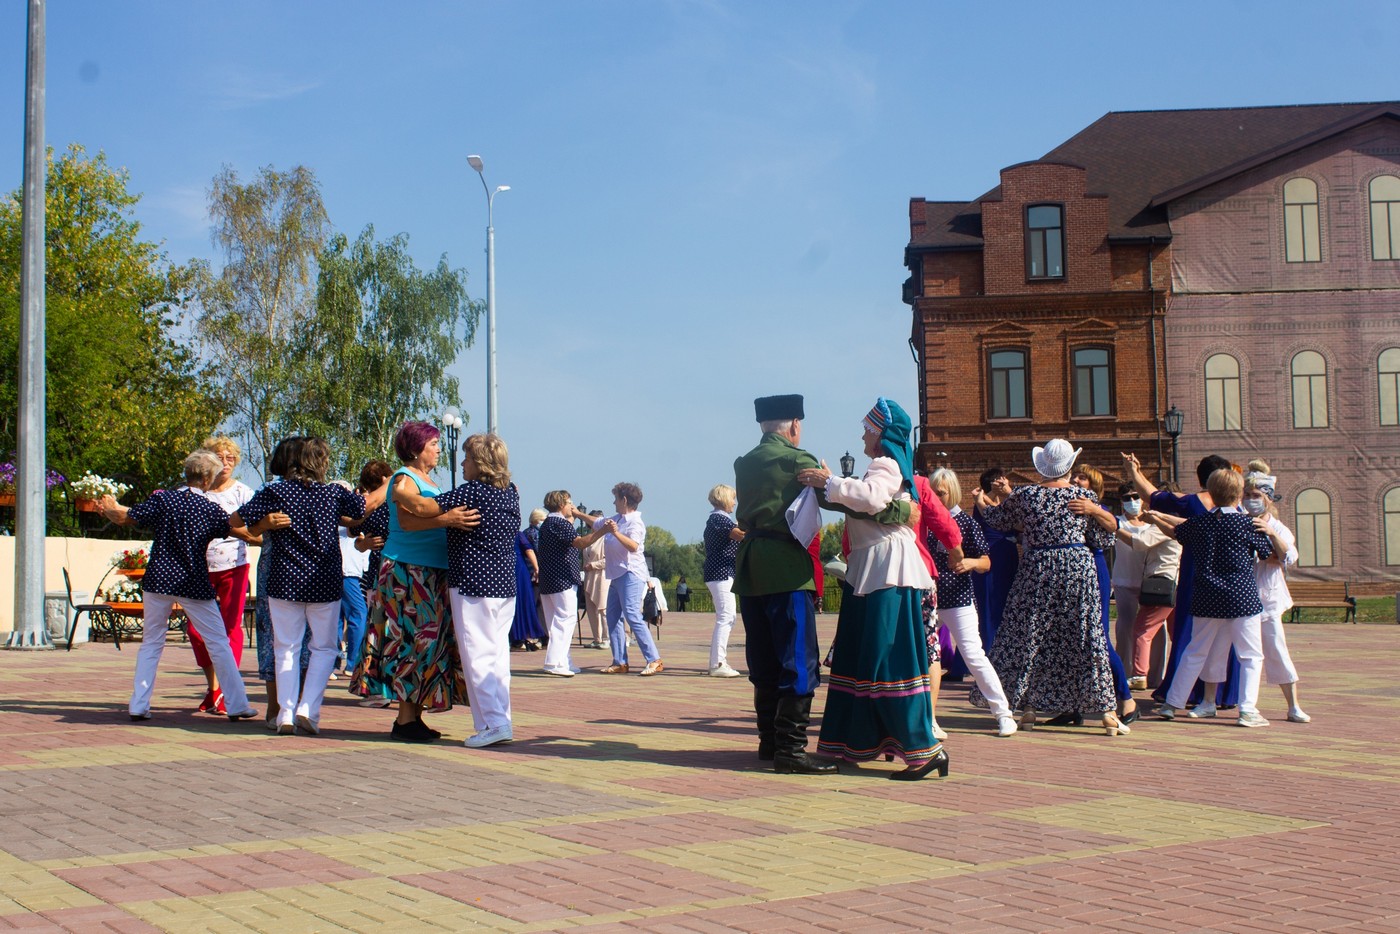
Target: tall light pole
point(451, 431)
point(1175, 420)
point(475, 162)
point(30, 630)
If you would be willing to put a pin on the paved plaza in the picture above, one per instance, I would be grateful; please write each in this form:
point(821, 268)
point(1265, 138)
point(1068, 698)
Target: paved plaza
point(631, 803)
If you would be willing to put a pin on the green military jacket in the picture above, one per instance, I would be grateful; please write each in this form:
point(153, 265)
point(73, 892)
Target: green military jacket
point(765, 480)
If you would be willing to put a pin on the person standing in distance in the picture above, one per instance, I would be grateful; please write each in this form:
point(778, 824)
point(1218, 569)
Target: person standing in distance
point(773, 581)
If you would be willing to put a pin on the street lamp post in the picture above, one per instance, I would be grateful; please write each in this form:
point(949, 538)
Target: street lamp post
point(848, 464)
point(475, 162)
point(451, 431)
point(1174, 419)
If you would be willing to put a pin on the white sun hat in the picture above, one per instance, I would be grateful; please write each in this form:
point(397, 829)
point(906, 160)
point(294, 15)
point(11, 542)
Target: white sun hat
point(1055, 459)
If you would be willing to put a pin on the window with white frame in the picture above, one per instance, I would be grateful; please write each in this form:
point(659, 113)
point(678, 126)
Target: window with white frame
point(1309, 371)
point(1313, 511)
point(1222, 393)
point(1302, 238)
point(1390, 515)
point(1388, 385)
point(1385, 217)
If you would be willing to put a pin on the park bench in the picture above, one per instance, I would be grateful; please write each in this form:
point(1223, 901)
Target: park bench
point(1322, 594)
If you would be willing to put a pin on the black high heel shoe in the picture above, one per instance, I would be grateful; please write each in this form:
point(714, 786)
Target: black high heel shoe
point(939, 762)
point(1069, 718)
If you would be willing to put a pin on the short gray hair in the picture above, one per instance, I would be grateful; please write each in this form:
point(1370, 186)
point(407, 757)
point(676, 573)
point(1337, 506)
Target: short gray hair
point(949, 479)
point(781, 425)
point(202, 466)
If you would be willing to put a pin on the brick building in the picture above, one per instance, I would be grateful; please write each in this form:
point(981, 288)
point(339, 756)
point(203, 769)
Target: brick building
point(1240, 264)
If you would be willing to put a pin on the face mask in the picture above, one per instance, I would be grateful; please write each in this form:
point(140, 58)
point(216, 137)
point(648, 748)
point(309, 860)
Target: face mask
point(1131, 507)
point(1255, 507)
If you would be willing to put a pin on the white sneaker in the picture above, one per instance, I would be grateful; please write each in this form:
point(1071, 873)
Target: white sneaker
point(307, 725)
point(1202, 711)
point(559, 672)
point(1297, 716)
point(1251, 718)
point(489, 737)
point(939, 733)
point(1006, 726)
point(723, 670)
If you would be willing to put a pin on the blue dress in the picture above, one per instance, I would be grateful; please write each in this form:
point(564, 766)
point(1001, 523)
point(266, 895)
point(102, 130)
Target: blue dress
point(527, 627)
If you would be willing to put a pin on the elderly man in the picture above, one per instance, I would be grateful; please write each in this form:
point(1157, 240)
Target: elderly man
point(773, 581)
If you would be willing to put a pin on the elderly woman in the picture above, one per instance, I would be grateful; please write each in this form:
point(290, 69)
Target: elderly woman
point(526, 630)
point(623, 547)
point(1051, 652)
point(558, 552)
point(957, 609)
point(184, 523)
point(420, 664)
point(228, 567)
point(482, 578)
point(366, 679)
point(878, 698)
point(722, 538)
point(595, 586)
point(304, 581)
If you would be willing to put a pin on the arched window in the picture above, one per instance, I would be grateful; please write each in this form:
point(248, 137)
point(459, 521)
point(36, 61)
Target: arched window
point(1314, 514)
point(1093, 381)
point(1302, 240)
point(1045, 241)
point(1385, 217)
point(1388, 378)
point(1390, 517)
point(1006, 371)
point(1222, 393)
point(1309, 390)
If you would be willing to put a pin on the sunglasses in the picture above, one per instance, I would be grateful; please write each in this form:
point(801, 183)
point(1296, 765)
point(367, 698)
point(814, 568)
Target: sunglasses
point(1132, 496)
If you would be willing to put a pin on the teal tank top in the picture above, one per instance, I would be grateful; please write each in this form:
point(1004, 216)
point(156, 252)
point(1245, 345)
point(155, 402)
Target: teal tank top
point(427, 548)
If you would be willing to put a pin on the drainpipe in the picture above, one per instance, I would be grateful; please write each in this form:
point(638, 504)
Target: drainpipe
point(1152, 324)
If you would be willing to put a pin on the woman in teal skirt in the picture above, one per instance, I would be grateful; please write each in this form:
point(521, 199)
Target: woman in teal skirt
point(878, 693)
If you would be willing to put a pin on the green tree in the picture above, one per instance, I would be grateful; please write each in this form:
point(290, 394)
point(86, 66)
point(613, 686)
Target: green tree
point(831, 539)
point(377, 348)
point(671, 559)
point(270, 231)
point(124, 395)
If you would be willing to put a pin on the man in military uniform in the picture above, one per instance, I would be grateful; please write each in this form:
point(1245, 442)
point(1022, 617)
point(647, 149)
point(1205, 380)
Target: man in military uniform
point(773, 581)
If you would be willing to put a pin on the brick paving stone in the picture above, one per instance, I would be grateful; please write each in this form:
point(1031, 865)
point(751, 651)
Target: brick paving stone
point(638, 804)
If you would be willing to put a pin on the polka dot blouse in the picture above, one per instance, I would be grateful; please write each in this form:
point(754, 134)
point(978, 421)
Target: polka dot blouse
point(305, 565)
point(559, 559)
point(720, 549)
point(481, 561)
point(955, 590)
point(184, 524)
point(1226, 545)
point(376, 525)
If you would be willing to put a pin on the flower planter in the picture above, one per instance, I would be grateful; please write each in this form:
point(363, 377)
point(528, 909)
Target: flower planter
point(131, 609)
point(7, 499)
point(86, 505)
point(132, 573)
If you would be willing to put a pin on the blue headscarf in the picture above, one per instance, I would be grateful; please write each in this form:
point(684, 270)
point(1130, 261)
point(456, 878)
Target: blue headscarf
point(894, 426)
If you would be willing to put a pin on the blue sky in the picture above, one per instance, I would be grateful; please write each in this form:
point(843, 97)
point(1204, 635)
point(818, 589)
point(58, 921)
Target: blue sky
point(708, 199)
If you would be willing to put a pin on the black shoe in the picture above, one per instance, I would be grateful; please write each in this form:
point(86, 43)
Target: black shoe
point(939, 762)
point(803, 764)
point(435, 734)
point(1066, 719)
point(1131, 716)
point(765, 750)
point(951, 679)
point(414, 732)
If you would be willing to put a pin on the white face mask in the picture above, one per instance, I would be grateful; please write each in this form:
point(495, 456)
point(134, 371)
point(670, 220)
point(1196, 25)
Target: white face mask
point(1132, 507)
point(1255, 506)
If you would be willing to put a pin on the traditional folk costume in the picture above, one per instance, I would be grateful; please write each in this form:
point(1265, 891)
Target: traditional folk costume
point(878, 702)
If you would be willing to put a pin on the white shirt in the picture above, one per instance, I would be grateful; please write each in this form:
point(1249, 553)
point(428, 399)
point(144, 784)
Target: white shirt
point(619, 559)
point(1273, 589)
point(225, 554)
point(1127, 562)
point(353, 561)
point(881, 555)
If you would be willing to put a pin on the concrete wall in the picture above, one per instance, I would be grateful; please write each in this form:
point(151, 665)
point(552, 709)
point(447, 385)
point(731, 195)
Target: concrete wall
point(87, 559)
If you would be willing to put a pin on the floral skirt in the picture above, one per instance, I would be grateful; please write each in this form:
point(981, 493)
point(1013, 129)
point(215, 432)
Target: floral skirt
point(410, 647)
point(878, 694)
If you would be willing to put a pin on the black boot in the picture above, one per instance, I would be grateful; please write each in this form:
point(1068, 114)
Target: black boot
point(790, 735)
point(765, 705)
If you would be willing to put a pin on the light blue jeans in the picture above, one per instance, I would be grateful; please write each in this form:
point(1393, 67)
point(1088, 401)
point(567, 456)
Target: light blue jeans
point(354, 616)
point(625, 603)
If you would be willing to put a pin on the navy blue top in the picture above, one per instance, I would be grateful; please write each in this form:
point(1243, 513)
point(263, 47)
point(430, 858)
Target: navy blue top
point(376, 525)
point(1225, 545)
point(184, 523)
point(720, 550)
point(306, 564)
point(955, 590)
point(481, 561)
point(557, 556)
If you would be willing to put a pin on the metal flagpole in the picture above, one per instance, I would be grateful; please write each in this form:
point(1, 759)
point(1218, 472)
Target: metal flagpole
point(30, 630)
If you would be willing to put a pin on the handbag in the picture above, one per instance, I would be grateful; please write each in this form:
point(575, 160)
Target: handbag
point(1158, 590)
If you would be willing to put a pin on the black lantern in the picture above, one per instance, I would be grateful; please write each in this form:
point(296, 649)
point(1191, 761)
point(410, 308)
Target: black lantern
point(451, 431)
point(848, 464)
point(1174, 419)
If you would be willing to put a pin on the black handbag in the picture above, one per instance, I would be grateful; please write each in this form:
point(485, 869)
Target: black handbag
point(1158, 590)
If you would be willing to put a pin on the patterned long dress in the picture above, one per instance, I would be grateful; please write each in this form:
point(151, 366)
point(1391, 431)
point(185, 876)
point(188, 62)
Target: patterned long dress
point(1050, 652)
point(368, 679)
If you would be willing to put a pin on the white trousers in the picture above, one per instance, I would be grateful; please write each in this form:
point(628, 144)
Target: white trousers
point(961, 622)
point(289, 622)
point(482, 625)
point(1278, 664)
point(1207, 655)
point(204, 617)
point(721, 592)
point(561, 611)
